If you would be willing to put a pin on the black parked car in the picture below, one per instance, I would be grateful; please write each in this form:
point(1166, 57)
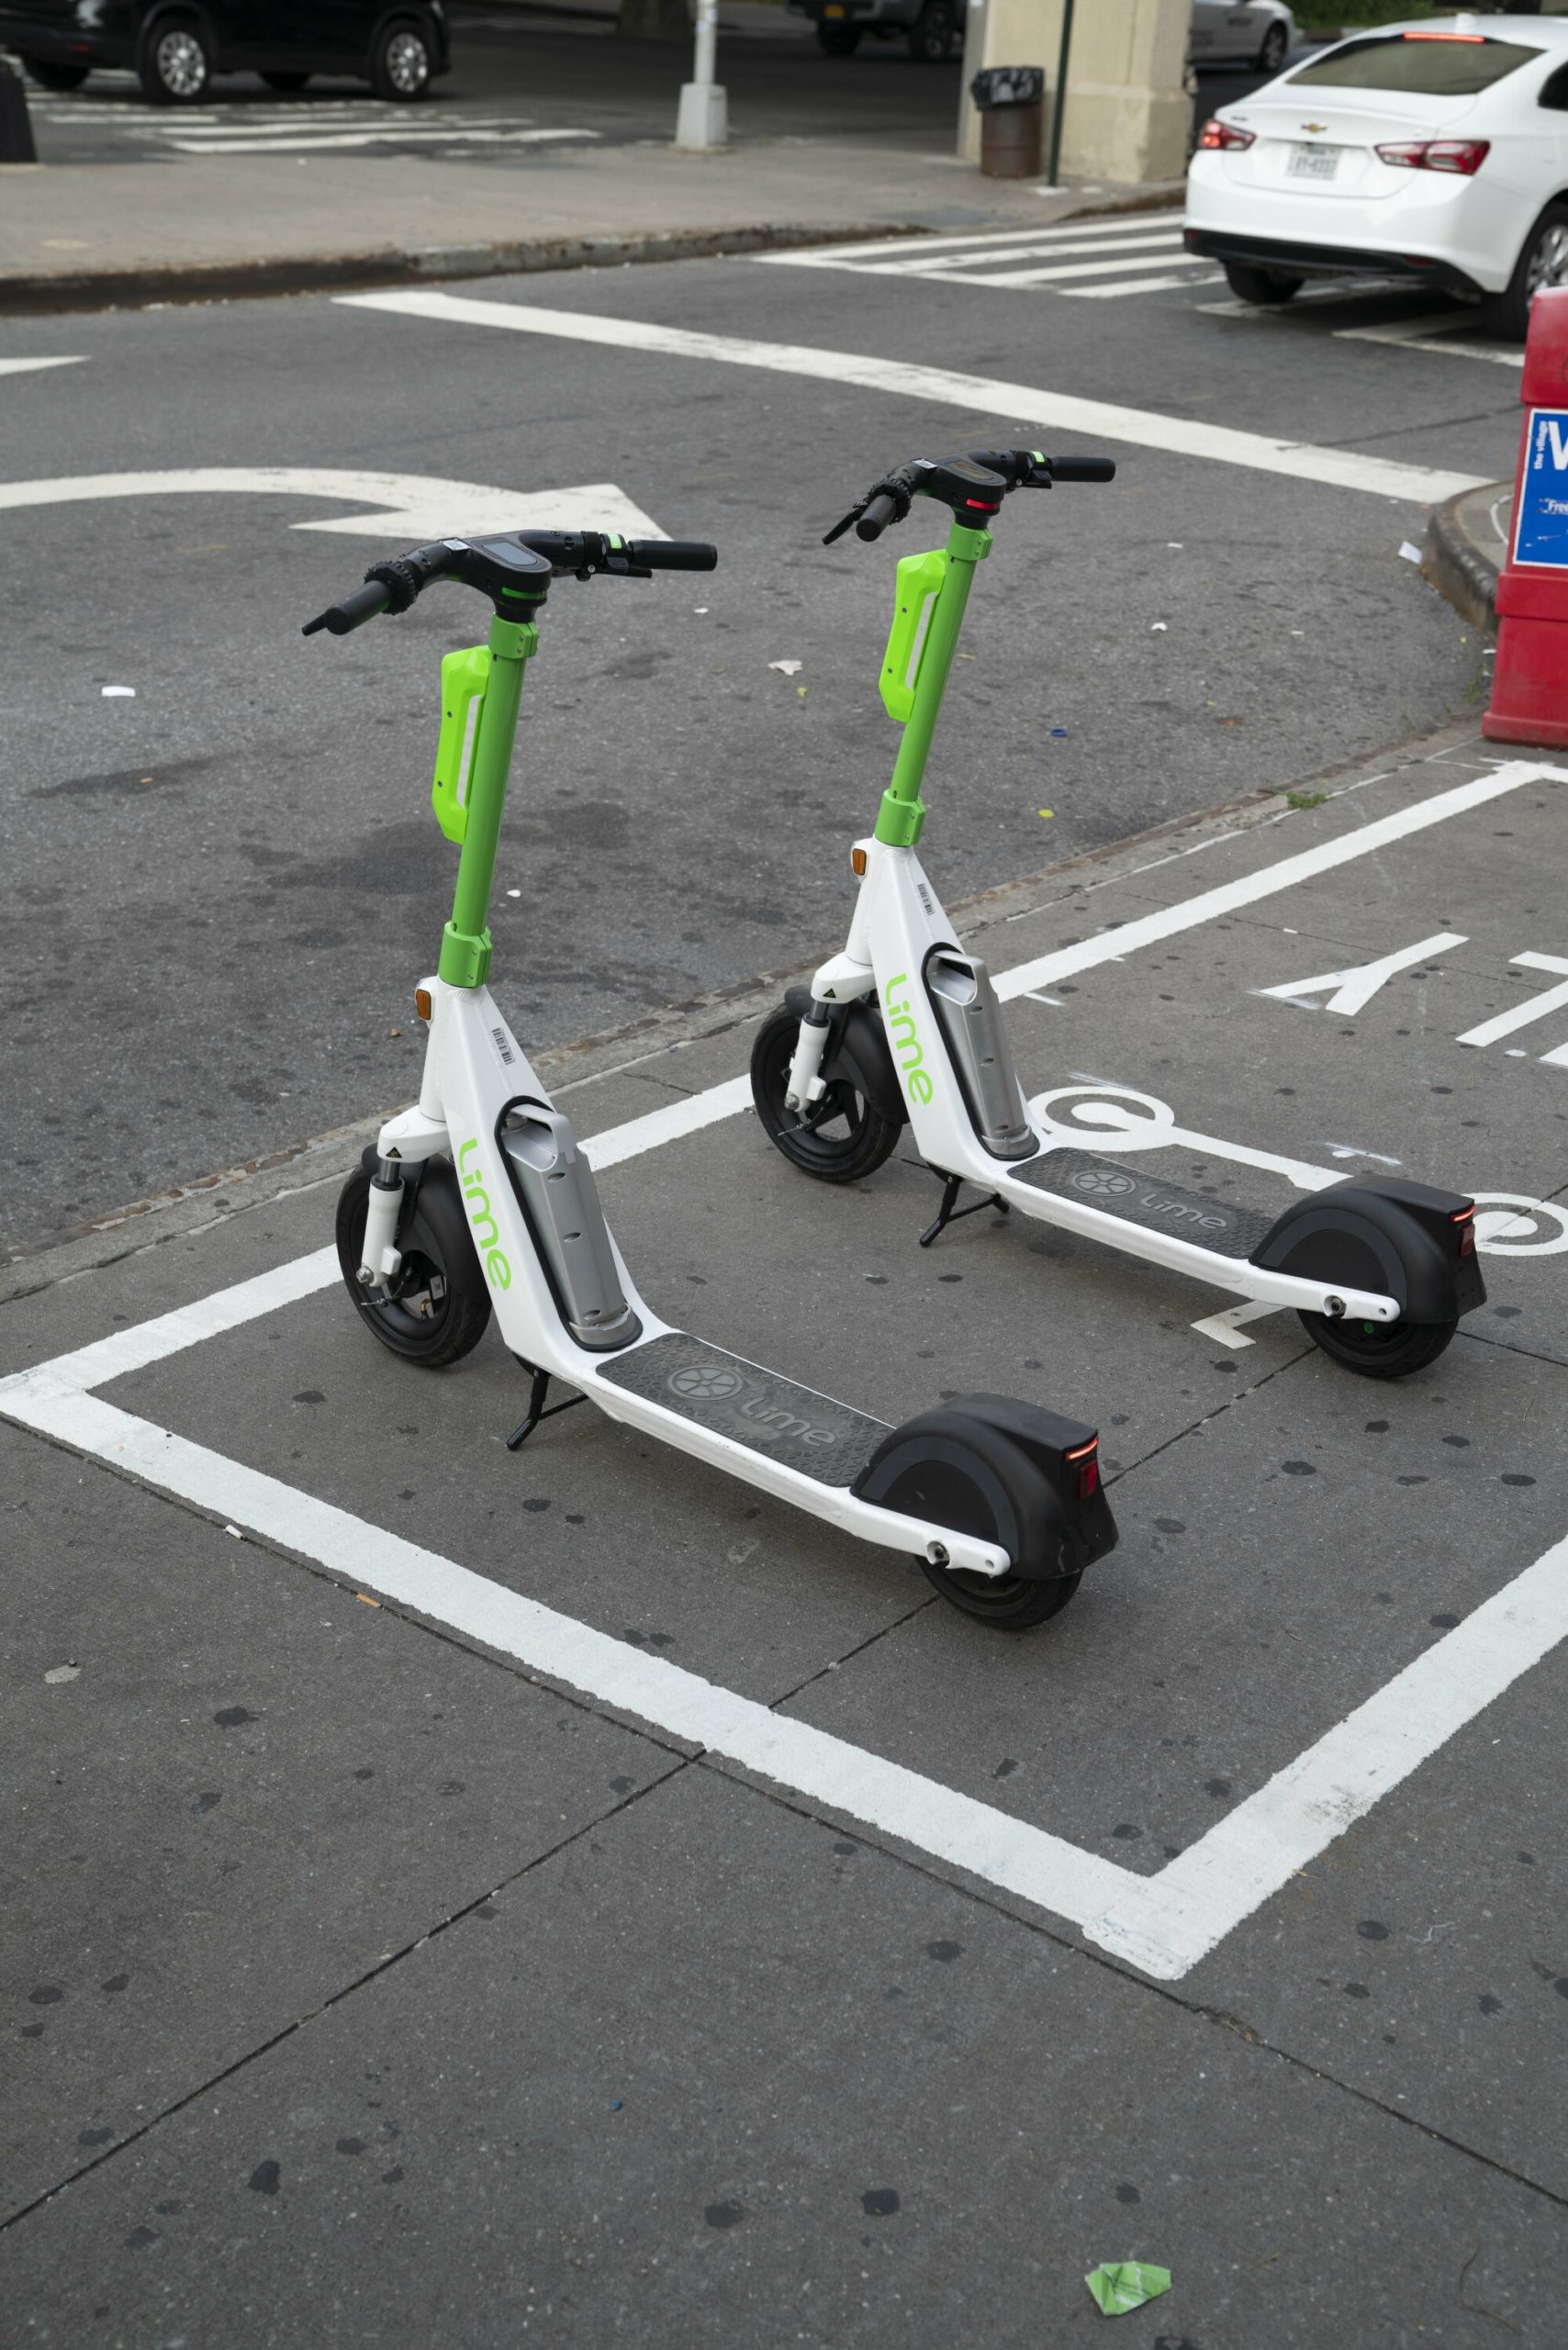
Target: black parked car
point(177, 46)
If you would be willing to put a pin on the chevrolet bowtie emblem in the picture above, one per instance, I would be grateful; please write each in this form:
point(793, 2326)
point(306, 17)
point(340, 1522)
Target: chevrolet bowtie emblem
point(1315, 126)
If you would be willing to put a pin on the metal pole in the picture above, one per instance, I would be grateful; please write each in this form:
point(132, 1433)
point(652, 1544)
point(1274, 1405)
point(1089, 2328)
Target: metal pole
point(1060, 101)
point(703, 121)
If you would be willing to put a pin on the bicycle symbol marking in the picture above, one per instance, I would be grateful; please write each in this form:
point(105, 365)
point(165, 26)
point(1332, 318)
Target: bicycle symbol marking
point(704, 1383)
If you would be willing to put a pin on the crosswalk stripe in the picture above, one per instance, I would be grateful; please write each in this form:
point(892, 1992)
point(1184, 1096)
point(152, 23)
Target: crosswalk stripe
point(1006, 278)
point(1138, 286)
point(321, 141)
point(1122, 225)
point(982, 256)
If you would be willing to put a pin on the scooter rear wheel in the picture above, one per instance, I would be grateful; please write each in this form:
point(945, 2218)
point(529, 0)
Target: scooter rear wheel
point(847, 1136)
point(1379, 1349)
point(437, 1309)
point(1008, 1602)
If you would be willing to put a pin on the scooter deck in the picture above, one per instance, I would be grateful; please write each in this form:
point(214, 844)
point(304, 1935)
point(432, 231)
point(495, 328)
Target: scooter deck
point(737, 1399)
point(1135, 1198)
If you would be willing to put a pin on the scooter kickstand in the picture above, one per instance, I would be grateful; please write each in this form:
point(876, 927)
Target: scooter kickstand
point(536, 1408)
point(948, 1214)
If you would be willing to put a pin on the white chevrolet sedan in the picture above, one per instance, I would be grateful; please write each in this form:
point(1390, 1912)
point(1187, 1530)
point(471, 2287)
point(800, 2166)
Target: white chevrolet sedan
point(1434, 151)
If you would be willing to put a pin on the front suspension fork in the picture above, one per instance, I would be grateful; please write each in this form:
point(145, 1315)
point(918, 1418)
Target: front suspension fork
point(807, 1085)
point(381, 1260)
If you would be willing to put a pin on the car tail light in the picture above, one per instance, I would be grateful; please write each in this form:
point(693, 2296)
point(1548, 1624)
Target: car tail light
point(1464, 156)
point(1225, 135)
point(1478, 37)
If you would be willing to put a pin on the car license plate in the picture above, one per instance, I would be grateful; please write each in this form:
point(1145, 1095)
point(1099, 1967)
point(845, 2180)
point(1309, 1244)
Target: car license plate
point(1314, 162)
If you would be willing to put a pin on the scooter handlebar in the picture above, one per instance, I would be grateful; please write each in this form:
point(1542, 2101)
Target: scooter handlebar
point(351, 611)
point(1083, 468)
point(881, 511)
point(673, 555)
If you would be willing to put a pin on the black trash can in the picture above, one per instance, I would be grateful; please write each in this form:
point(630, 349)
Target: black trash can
point(1012, 102)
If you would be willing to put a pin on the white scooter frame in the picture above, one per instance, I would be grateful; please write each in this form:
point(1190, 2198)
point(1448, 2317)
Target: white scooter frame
point(478, 1201)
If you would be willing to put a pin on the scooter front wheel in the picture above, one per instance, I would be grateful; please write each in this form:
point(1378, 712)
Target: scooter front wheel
point(844, 1138)
point(437, 1309)
point(1379, 1349)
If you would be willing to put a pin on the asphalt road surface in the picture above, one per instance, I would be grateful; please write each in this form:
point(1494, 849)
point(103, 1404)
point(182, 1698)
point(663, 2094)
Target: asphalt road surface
point(223, 882)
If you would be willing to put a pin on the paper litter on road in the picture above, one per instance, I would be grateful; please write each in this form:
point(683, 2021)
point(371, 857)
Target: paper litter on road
point(110, 692)
point(787, 668)
point(1119, 2285)
point(1411, 553)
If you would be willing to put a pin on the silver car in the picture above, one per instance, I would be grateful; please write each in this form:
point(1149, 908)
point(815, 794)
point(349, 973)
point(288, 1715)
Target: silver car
point(1242, 32)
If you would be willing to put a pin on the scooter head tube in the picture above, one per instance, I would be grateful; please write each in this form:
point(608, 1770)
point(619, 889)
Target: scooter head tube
point(1005, 1472)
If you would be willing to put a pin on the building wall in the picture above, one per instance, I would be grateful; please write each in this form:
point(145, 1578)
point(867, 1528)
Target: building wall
point(1127, 110)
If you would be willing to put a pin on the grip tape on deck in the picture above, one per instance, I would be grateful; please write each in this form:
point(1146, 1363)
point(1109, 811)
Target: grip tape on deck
point(1134, 1197)
point(752, 1407)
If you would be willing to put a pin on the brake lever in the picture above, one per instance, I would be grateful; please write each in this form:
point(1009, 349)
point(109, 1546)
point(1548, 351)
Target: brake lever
point(849, 522)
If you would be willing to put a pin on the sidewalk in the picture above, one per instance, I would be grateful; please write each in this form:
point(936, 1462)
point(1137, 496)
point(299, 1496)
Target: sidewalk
point(74, 236)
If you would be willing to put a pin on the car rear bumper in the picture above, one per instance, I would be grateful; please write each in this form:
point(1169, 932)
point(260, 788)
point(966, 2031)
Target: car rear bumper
point(1306, 260)
point(61, 44)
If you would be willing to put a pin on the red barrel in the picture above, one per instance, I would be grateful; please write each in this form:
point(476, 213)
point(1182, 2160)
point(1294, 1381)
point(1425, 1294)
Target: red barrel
point(1529, 686)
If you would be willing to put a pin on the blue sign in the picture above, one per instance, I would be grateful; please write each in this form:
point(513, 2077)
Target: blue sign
point(1541, 529)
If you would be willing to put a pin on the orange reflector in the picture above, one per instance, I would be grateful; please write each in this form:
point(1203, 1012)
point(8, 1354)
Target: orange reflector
point(422, 1002)
point(857, 860)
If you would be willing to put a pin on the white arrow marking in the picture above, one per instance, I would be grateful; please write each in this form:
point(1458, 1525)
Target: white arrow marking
point(23, 366)
point(1355, 988)
point(411, 506)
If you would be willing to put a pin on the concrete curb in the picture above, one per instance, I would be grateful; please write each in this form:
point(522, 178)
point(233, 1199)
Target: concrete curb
point(1465, 549)
point(211, 1200)
point(22, 295)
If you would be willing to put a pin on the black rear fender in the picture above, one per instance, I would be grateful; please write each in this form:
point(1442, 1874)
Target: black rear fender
point(1414, 1243)
point(1003, 1471)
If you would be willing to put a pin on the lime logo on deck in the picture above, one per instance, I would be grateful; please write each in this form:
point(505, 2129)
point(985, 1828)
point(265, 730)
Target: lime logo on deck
point(905, 1038)
point(497, 1272)
point(704, 1383)
point(1101, 1183)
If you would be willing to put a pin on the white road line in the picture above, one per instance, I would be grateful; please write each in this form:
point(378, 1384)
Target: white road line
point(413, 506)
point(321, 141)
point(1010, 278)
point(1138, 286)
point(912, 264)
point(1405, 333)
point(26, 366)
point(1248, 888)
point(1226, 1326)
point(675, 1119)
point(1175, 1919)
point(998, 240)
point(1340, 468)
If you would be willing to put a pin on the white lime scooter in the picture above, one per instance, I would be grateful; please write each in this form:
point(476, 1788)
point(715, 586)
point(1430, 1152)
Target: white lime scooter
point(904, 1027)
point(478, 1200)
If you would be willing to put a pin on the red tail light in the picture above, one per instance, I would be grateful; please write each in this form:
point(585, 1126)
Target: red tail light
point(1464, 156)
point(1086, 1460)
point(1225, 135)
point(1464, 1218)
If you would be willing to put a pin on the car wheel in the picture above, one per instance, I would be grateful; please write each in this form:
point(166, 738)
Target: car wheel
point(1543, 262)
point(50, 77)
point(175, 68)
point(932, 32)
point(287, 83)
point(838, 40)
point(1272, 56)
point(401, 64)
point(1266, 287)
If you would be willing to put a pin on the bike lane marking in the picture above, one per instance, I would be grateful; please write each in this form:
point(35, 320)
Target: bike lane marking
point(1103, 420)
point(1162, 1924)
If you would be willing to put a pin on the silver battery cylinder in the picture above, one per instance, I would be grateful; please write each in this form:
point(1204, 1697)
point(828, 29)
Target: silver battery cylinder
point(970, 1019)
point(560, 1200)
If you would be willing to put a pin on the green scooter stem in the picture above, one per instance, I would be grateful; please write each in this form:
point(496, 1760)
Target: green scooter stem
point(902, 812)
point(466, 943)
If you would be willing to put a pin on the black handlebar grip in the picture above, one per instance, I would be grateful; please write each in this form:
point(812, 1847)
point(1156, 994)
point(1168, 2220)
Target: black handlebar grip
point(881, 511)
point(1083, 468)
point(674, 555)
point(351, 611)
